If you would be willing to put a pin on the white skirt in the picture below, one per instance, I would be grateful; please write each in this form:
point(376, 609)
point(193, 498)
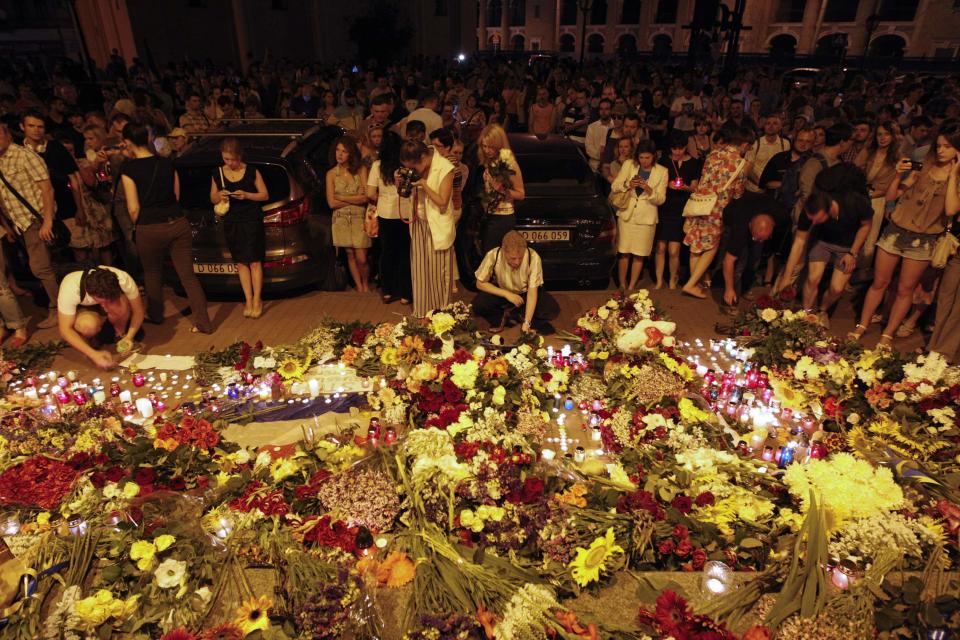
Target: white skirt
point(636, 239)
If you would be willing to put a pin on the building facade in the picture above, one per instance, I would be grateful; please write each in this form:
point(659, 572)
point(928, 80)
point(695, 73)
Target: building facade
point(913, 28)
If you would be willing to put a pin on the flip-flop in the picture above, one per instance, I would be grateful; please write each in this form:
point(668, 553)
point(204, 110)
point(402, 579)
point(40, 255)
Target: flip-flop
point(17, 341)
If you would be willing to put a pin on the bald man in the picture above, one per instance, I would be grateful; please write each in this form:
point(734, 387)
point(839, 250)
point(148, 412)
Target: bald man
point(748, 224)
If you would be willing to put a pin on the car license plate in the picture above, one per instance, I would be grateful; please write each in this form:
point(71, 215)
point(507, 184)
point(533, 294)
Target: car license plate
point(545, 235)
point(220, 268)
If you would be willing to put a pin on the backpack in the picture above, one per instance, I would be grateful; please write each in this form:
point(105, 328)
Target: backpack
point(789, 190)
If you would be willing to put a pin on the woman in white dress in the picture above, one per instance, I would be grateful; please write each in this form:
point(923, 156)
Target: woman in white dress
point(646, 182)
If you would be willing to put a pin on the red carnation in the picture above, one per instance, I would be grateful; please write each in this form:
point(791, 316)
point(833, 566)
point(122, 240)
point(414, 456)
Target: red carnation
point(683, 504)
point(113, 474)
point(666, 547)
point(684, 548)
point(699, 559)
point(680, 532)
point(144, 476)
point(705, 499)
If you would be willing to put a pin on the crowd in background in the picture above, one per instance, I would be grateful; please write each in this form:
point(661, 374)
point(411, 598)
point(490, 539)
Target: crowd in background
point(848, 182)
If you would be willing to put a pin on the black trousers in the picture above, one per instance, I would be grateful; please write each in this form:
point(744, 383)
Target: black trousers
point(491, 307)
point(494, 228)
point(395, 258)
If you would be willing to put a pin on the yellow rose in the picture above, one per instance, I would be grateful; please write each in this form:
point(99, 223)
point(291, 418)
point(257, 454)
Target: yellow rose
point(499, 395)
point(603, 313)
point(130, 490)
point(43, 518)
point(768, 315)
point(162, 543)
point(143, 552)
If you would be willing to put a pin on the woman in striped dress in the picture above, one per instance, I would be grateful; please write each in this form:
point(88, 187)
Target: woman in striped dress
point(433, 228)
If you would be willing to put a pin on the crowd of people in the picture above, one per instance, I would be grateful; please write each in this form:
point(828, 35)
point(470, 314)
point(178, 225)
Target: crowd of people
point(849, 183)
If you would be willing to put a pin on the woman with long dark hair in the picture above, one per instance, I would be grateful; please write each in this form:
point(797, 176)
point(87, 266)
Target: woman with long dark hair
point(879, 163)
point(346, 195)
point(393, 219)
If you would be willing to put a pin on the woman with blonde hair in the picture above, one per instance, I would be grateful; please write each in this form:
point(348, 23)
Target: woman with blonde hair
point(502, 185)
point(242, 186)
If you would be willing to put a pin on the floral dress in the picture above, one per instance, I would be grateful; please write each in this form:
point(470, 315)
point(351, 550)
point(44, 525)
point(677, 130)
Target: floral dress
point(703, 233)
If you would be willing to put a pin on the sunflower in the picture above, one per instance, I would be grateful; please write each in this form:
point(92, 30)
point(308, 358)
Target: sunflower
point(588, 564)
point(788, 396)
point(290, 368)
point(226, 631)
point(252, 615)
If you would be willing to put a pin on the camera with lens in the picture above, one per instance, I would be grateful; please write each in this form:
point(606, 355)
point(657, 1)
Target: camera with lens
point(405, 179)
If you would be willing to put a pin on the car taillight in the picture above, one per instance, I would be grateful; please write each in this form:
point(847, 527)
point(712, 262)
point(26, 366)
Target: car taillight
point(607, 235)
point(286, 261)
point(289, 215)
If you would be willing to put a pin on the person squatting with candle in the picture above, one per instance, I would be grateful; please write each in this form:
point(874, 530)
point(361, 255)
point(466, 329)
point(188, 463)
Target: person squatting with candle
point(113, 312)
point(509, 280)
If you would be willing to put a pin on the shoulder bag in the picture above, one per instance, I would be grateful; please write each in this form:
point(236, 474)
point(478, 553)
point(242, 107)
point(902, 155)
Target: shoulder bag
point(61, 233)
point(620, 199)
point(702, 204)
point(223, 207)
point(945, 249)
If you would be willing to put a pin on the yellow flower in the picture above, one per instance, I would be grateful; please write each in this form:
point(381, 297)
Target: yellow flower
point(464, 375)
point(768, 315)
point(130, 490)
point(441, 323)
point(283, 468)
point(499, 395)
point(389, 356)
point(588, 564)
point(143, 552)
point(788, 396)
point(290, 369)
point(422, 371)
point(253, 615)
point(603, 313)
point(163, 542)
point(43, 518)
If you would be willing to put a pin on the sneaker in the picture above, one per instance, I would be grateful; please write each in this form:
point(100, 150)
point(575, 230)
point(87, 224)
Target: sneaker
point(49, 322)
point(824, 319)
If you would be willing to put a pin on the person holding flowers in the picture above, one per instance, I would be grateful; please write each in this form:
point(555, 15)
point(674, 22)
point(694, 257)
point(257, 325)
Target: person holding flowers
point(502, 185)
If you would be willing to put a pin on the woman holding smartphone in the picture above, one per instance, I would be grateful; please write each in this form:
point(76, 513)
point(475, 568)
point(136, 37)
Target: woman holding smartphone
point(637, 222)
point(242, 186)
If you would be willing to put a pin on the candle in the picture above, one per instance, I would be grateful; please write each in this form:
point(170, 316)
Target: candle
point(30, 393)
point(568, 404)
point(264, 392)
point(390, 436)
point(596, 435)
point(99, 396)
point(80, 398)
point(314, 387)
point(145, 407)
point(548, 454)
point(579, 454)
point(139, 380)
point(767, 454)
point(11, 526)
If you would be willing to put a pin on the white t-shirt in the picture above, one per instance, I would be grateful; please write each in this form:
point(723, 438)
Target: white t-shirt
point(69, 298)
point(685, 107)
point(430, 119)
point(529, 275)
point(389, 203)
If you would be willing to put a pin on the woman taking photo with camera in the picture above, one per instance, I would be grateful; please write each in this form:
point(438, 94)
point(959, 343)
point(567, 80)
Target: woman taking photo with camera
point(428, 176)
point(237, 190)
point(502, 185)
point(928, 201)
point(346, 195)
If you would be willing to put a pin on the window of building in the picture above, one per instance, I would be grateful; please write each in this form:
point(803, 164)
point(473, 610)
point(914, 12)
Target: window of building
point(595, 43)
point(494, 12)
point(841, 11)
point(518, 42)
point(630, 14)
point(568, 43)
point(790, 11)
point(568, 12)
point(534, 44)
point(662, 45)
point(627, 44)
point(944, 53)
point(536, 11)
point(518, 12)
point(598, 12)
point(666, 12)
point(440, 8)
point(898, 10)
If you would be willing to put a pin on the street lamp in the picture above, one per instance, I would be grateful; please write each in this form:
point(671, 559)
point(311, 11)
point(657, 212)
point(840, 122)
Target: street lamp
point(585, 6)
point(873, 21)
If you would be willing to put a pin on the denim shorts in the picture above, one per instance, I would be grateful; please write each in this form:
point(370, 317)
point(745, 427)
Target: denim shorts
point(907, 244)
point(826, 252)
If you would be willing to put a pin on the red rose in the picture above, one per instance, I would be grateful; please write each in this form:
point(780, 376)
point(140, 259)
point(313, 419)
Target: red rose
point(684, 548)
point(705, 499)
point(699, 559)
point(666, 547)
point(114, 474)
point(98, 479)
point(681, 532)
point(683, 504)
point(546, 377)
point(788, 294)
point(532, 490)
point(144, 476)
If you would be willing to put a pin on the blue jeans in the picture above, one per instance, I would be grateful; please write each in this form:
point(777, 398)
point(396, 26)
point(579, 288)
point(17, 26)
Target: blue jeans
point(10, 313)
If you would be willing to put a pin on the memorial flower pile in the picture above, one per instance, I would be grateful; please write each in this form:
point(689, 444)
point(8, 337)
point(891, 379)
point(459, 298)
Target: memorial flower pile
point(433, 483)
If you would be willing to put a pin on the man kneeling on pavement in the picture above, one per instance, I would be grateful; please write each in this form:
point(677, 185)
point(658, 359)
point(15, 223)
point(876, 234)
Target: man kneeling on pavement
point(112, 313)
point(510, 281)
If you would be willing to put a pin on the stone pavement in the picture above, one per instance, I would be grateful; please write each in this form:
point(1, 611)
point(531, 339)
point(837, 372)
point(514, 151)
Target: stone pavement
point(286, 319)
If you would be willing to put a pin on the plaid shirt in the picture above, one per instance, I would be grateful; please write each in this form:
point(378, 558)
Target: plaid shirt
point(24, 170)
point(195, 123)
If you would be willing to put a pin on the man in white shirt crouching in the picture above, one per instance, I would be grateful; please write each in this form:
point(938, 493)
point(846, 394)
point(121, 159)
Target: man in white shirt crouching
point(510, 281)
point(100, 306)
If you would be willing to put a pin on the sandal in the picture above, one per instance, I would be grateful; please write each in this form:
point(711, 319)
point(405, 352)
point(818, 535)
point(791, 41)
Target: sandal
point(17, 341)
point(387, 299)
point(857, 333)
point(886, 342)
point(906, 330)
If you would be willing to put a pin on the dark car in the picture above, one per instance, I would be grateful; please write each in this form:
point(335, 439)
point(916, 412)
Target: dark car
point(293, 158)
point(564, 216)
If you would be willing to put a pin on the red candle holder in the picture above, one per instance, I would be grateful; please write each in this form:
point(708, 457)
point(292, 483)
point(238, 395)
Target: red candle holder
point(139, 380)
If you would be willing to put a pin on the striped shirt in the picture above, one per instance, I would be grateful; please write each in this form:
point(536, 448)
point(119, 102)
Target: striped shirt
point(195, 122)
point(24, 170)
